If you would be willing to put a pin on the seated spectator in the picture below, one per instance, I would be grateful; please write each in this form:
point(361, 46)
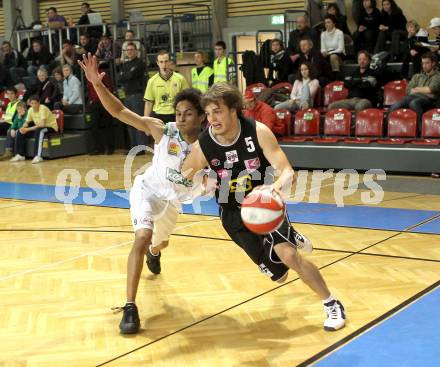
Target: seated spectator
point(95, 32)
point(46, 91)
point(40, 120)
point(392, 27)
point(38, 57)
point(341, 20)
point(280, 64)
point(58, 79)
point(108, 49)
point(302, 31)
point(414, 49)
point(55, 20)
point(11, 108)
point(319, 66)
point(332, 46)
point(366, 35)
point(130, 37)
point(14, 64)
point(68, 55)
point(72, 102)
point(262, 112)
point(17, 123)
point(435, 26)
point(362, 86)
point(101, 121)
point(86, 45)
point(423, 91)
point(303, 92)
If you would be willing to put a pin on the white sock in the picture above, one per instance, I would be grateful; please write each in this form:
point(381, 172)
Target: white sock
point(127, 303)
point(329, 299)
point(151, 252)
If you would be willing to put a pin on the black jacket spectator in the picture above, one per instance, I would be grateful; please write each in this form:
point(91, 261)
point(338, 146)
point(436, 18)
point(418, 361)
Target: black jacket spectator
point(44, 57)
point(47, 92)
point(363, 85)
point(366, 36)
point(297, 35)
point(395, 21)
point(14, 59)
point(280, 65)
point(319, 66)
point(132, 76)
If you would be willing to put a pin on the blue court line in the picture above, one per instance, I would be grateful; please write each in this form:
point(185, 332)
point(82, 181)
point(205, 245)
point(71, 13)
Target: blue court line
point(311, 213)
point(410, 338)
point(431, 227)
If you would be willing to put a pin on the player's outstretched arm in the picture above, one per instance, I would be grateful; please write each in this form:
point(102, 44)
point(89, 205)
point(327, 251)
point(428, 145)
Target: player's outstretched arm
point(194, 162)
point(276, 157)
point(114, 106)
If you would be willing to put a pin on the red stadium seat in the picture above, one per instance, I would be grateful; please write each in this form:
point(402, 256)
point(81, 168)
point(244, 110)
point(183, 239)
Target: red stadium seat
point(337, 124)
point(430, 128)
point(283, 85)
point(334, 91)
point(402, 127)
point(59, 115)
point(369, 125)
point(394, 92)
point(285, 116)
point(306, 124)
point(256, 88)
point(4, 103)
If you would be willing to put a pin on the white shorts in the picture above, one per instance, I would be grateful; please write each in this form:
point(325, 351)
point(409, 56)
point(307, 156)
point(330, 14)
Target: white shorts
point(150, 212)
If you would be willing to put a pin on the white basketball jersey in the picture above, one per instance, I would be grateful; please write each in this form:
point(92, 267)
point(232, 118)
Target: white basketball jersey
point(163, 177)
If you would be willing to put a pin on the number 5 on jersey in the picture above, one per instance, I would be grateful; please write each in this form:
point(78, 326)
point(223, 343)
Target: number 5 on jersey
point(249, 144)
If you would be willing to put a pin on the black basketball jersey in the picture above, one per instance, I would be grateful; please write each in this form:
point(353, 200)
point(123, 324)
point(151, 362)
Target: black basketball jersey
point(240, 166)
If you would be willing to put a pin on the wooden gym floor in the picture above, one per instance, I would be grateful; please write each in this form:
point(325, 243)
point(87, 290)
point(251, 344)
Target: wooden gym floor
point(61, 272)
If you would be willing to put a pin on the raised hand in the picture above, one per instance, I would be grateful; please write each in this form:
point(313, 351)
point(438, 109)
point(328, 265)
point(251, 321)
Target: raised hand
point(90, 67)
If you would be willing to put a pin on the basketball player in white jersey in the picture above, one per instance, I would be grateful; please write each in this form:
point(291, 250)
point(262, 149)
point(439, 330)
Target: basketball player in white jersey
point(156, 195)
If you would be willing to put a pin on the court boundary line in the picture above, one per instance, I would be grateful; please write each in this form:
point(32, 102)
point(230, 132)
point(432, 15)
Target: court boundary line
point(369, 326)
point(254, 297)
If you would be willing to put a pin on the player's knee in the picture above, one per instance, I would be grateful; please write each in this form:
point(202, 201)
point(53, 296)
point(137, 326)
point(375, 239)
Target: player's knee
point(142, 240)
point(293, 260)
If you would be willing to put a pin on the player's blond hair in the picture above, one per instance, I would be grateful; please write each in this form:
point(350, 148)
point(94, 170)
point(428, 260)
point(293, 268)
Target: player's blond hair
point(223, 92)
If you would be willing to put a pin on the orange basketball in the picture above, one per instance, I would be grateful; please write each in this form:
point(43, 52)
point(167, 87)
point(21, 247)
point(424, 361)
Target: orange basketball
point(263, 211)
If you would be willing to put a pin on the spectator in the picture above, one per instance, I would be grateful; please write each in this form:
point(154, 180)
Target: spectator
point(366, 35)
point(435, 26)
point(68, 55)
point(280, 64)
point(423, 91)
point(262, 112)
point(17, 123)
point(302, 31)
point(86, 45)
point(341, 20)
point(14, 64)
point(332, 45)
point(40, 120)
point(414, 49)
point(362, 86)
point(108, 50)
point(58, 79)
point(94, 32)
point(161, 90)
point(132, 79)
point(304, 90)
point(72, 102)
point(223, 65)
point(392, 26)
point(319, 66)
point(46, 91)
point(38, 57)
point(54, 20)
point(202, 76)
point(11, 108)
point(102, 122)
point(130, 37)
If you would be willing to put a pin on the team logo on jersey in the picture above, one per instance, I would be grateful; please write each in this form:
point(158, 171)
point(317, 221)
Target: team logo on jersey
point(222, 173)
point(173, 148)
point(252, 164)
point(215, 162)
point(232, 156)
point(146, 222)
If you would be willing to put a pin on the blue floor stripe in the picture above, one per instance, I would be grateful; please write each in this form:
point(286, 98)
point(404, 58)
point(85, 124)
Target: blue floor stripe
point(313, 213)
point(431, 227)
point(410, 338)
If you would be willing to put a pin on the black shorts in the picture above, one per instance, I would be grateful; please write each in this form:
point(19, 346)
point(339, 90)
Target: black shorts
point(258, 247)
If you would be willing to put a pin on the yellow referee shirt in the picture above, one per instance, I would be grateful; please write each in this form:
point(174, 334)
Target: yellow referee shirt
point(161, 92)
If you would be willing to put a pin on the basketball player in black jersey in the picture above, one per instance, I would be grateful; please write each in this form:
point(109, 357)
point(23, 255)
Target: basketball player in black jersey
point(244, 154)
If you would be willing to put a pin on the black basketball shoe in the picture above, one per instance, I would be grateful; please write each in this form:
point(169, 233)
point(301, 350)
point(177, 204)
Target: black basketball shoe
point(130, 322)
point(153, 262)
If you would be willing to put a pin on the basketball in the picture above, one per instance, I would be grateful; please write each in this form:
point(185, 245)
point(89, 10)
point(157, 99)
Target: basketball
point(263, 211)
